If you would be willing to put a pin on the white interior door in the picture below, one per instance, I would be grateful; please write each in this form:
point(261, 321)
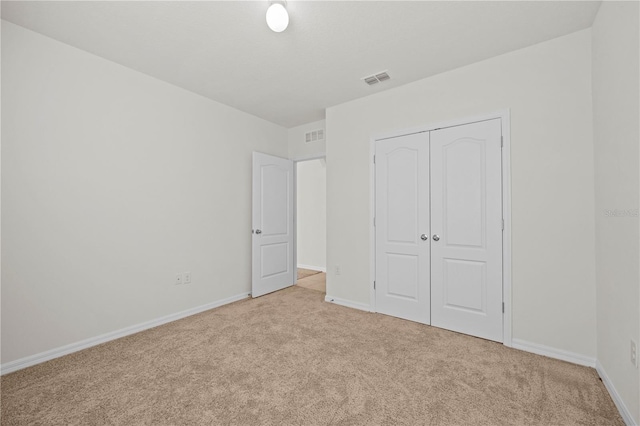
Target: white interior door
point(402, 217)
point(466, 228)
point(272, 233)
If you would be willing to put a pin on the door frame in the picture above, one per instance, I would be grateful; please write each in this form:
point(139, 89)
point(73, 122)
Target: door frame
point(504, 116)
point(295, 206)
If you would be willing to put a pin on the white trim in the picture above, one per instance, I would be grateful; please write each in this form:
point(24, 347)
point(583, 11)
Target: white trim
point(622, 408)
point(28, 361)
point(313, 268)
point(309, 158)
point(347, 303)
point(441, 125)
point(505, 120)
point(555, 353)
point(507, 332)
point(295, 220)
point(372, 228)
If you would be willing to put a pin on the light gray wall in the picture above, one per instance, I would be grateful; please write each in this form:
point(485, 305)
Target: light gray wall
point(298, 148)
point(548, 89)
point(311, 188)
point(616, 148)
point(113, 182)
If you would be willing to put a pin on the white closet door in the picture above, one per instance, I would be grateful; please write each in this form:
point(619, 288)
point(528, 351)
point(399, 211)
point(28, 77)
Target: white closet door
point(466, 229)
point(402, 217)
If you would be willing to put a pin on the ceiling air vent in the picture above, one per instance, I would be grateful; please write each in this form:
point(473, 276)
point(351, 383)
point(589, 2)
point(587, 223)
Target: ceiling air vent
point(313, 136)
point(376, 78)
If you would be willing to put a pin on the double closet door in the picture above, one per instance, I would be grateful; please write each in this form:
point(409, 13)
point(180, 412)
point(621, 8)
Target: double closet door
point(438, 222)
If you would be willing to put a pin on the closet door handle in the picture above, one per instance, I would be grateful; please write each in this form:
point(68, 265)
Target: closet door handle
point(424, 237)
point(436, 237)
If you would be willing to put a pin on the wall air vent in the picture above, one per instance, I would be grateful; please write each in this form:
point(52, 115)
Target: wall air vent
point(376, 78)
point(313, 136)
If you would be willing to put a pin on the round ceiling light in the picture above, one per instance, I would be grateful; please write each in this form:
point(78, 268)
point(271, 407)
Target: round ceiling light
point(277, 17)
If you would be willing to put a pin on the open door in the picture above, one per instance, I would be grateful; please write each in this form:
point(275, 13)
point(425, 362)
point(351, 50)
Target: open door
point(272, 233)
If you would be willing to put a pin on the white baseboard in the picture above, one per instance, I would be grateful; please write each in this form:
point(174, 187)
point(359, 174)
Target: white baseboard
point(561, 354)
point(25, 362)
point(347, 303)
point(622, 408)
point(313, 268)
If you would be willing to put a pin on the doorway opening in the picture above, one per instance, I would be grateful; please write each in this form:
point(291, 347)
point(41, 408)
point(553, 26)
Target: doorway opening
point(311, 224)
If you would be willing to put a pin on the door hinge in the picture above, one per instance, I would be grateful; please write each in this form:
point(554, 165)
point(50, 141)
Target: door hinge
point(503, 307)
point(374, 221)
point(374, 285)
point(501, 141)
point(374, 159)
point(503, 224)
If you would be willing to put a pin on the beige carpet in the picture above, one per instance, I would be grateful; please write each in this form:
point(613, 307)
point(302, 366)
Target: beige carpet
point(304, 273)
point(317, 282)
point(288, 358)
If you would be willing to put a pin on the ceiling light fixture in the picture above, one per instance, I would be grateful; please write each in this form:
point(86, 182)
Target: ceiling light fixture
point(277, 17)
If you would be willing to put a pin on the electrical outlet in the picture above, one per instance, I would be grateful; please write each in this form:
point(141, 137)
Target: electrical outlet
point(634, 353)
point(338, 270)
point(187, 277)
point(178, 279)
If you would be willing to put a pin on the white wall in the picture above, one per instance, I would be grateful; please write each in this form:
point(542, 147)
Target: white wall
point(311, 195)
point(548, 89)
point(299, 149)
point(112, 182)
point(616, 140)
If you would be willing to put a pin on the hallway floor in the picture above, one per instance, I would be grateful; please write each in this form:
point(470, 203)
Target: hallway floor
point(313, 280)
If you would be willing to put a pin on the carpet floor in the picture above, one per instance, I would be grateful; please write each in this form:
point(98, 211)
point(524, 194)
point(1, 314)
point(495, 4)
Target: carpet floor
point(317, 282)
point(304, 273)
point(288, 358)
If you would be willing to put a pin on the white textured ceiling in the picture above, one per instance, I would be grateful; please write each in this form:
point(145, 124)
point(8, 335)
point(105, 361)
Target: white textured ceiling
point(224, 50)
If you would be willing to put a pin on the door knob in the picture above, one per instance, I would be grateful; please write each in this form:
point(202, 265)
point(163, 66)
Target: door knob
point(258, 231)
point(423, 237)
point(436, 237)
